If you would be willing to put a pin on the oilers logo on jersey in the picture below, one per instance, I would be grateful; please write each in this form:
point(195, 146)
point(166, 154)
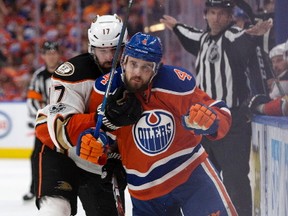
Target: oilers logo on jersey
point(154, 132)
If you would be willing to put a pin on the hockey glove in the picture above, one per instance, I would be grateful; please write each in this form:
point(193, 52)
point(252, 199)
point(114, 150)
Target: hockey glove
point(256, 101)
point(91, 149)
point(113, 167)
point(122, 109)
point(201, 119)
point(31, 125)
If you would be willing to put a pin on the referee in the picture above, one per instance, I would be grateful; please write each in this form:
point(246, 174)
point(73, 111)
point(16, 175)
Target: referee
point(222, 53)
point(37, 95)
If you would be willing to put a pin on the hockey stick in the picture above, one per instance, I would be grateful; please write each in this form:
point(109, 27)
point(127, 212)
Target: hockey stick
point(277, 82)
point(117, 197)
point(116, 193)
point(263, 72)
point(114, 64)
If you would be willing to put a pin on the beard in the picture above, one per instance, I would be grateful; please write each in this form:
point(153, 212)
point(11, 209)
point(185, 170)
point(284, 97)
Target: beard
point(107, 65)
point(134, 88)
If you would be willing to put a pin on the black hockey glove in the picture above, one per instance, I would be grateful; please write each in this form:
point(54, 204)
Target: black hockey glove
point(122, 109)
point(30, 124)
point(114, 167)
point(256, 101)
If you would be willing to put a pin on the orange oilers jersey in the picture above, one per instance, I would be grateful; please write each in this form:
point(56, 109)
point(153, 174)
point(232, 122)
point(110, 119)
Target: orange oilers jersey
point(157, 152)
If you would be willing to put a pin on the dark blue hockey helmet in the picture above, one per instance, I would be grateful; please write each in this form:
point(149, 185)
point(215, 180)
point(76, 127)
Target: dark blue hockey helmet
point(145, 47)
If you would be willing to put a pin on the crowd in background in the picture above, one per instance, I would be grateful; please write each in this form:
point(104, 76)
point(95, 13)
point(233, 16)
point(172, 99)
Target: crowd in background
point(24, 25)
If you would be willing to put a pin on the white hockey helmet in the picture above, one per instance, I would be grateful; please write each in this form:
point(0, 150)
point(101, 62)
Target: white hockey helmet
point(278, 50)
point(105, 32)
point(286, 51)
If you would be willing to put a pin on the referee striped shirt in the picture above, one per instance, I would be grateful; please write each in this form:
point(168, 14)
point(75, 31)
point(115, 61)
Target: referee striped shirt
point(38, 91)
point(221, 61)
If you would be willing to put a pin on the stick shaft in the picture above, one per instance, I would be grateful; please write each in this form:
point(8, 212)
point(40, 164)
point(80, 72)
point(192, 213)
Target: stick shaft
point(113, 69)
point(117, 197)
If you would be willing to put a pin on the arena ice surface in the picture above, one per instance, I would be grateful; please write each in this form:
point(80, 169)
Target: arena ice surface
point(14, 183)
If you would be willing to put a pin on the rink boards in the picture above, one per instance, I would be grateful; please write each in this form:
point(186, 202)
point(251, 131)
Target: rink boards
point(269, 160)
point(269, 154)
point(16, 138)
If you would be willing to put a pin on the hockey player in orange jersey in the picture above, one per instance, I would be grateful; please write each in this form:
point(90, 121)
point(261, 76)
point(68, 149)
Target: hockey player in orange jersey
point(167, 168)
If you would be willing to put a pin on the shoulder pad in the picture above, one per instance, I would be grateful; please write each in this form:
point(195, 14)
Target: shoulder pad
point(101, 82)
point(65, 69)
point(81, 67)
point(174, 79)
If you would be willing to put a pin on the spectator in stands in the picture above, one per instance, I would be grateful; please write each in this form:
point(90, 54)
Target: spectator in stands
point(277, 102)
point(8, 89)
point(135, 23)
point(98, 7)
point(2, 59)
point(3, 8)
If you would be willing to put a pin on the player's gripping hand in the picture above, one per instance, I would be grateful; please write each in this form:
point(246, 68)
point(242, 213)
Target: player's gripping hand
point(256, 102)
point(201, 119)
point(114, 167)
point(91, 149)
point(122, 109)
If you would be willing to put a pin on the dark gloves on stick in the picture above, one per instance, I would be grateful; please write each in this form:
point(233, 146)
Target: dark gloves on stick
point(113, 167)
point(122, 109)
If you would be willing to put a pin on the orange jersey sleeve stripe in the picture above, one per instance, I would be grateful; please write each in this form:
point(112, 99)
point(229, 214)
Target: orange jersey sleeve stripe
point(34, 95)
point(40, 176)
point(74, 129)
point(273, 107)
point(42, 134)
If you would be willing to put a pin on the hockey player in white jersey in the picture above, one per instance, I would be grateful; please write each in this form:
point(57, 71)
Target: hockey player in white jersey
point(62, 178)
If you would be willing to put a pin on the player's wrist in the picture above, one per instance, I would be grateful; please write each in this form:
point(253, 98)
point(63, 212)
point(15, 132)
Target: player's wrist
point(107, 125)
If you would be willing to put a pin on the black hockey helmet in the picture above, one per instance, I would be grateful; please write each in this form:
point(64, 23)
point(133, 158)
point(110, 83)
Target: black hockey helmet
point(50, 45)
point(220, 3)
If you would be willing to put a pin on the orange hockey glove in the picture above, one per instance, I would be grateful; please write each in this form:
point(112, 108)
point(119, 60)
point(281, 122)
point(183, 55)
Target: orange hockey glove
point(201, 119)
point(91, 149)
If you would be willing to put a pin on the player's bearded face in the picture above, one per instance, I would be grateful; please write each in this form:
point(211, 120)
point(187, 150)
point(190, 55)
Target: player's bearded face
point(138, 74)
point(105, 56)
